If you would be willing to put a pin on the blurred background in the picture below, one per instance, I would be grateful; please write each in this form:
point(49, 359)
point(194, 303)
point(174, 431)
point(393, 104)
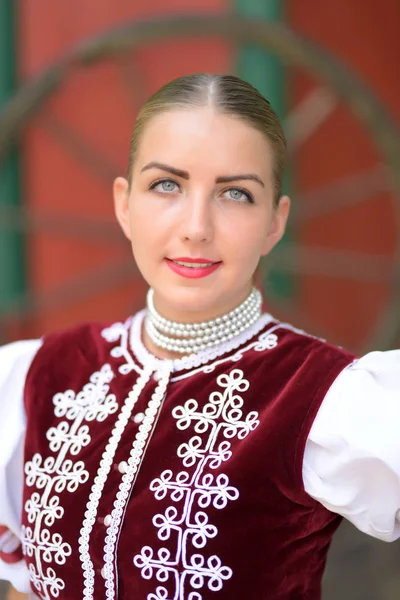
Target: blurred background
point(72, 77)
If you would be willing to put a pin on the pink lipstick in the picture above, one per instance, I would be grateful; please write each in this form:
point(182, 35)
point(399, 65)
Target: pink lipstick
point(192, 268)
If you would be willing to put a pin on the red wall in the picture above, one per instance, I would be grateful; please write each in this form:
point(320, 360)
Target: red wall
point(363, 34)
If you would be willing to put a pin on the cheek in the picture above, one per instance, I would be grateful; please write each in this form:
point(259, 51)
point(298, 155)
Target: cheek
point(246, 238)
point(141, 219)
point(147, 233)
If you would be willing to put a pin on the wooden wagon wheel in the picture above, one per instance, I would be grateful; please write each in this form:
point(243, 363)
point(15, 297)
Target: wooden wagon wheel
point(338, 83)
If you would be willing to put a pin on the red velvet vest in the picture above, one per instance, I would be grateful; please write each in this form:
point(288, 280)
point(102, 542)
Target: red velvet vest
point(174, 480)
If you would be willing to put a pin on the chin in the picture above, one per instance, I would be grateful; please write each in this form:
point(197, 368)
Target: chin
point(191, 298)
point(194, 299)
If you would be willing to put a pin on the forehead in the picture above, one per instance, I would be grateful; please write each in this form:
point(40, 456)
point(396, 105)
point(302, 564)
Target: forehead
point(196, 138)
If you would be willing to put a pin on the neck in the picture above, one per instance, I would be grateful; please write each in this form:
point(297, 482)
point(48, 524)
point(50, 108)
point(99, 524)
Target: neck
point(156, 350)
point(194, 315)
point(173, 339)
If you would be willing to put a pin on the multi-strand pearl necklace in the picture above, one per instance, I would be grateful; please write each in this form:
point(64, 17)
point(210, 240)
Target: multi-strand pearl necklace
point(190, 338)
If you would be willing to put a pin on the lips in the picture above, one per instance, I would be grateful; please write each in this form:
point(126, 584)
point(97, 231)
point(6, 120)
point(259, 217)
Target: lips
point(194, 262)
point(192, 268)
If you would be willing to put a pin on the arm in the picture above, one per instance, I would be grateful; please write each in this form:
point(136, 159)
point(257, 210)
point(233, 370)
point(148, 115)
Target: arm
point(13, 594)
point(15, 360)
point(352, 458)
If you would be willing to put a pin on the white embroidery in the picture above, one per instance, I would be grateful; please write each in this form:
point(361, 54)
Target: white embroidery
point(100, 480)
point(55, 474)
point(266, 341)
point(120, 331)
point(139, 445)
point(220, 420)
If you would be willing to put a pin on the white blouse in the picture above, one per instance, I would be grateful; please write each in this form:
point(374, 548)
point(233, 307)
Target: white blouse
point(351, 463)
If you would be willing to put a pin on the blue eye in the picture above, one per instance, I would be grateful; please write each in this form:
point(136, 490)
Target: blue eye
point(239, 195)
point(165, 186)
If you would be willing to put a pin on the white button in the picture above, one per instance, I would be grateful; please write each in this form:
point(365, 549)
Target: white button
point(123, 467)
point(156, 376)
point(103, 573)
point(138, 418)
point(107, 520)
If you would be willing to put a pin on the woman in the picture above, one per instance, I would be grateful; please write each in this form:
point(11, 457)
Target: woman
point(201, 449)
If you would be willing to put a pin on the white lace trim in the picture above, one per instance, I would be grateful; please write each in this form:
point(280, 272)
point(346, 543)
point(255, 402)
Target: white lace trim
point(194, 360)
point(139, 445)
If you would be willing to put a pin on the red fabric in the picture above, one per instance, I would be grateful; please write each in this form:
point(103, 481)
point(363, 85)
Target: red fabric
point(274, 537)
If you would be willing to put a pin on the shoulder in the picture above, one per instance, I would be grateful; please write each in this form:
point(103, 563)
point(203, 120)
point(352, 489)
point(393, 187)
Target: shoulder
point(15, 359)
point(89, 338)
point(300, 349)
point(82, 348)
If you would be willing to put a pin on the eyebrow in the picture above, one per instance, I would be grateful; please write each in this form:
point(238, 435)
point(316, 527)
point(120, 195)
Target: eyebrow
point(185, 174)
point(248, 176)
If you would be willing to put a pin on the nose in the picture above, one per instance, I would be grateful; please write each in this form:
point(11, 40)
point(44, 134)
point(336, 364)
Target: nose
point(197, 224)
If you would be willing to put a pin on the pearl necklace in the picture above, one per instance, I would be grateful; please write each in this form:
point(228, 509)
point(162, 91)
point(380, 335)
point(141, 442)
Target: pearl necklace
point(190, 338)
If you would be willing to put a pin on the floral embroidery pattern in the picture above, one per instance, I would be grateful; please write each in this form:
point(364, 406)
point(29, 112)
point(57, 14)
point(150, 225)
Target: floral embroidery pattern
point(186, 572)
point(56, 474)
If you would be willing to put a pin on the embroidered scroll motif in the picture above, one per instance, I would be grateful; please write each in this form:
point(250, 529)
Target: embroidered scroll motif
point(119, 332)
point(184, 571)
point(60, 472)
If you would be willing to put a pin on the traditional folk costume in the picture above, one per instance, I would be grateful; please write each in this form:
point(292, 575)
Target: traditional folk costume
point(221, 475)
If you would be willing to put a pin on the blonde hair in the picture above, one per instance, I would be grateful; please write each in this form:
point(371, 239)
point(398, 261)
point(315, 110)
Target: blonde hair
point(227, 94)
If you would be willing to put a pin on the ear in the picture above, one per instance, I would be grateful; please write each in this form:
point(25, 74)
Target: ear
point(277, 225)
point(121, 204)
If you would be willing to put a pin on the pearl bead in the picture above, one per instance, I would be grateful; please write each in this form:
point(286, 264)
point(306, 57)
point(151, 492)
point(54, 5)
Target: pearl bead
point(195, 337)
point(123, 467)
point(107, 520)
point(138, 418)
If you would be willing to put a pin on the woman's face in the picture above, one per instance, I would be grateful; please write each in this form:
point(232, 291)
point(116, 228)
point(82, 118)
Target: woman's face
point(202, 194)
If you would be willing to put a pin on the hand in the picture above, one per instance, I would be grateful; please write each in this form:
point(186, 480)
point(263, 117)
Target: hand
point(12, 594)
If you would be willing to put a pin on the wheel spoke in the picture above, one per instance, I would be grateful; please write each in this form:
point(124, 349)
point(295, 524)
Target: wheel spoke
point(101, 166)
point(59, 224)
point(133, 80)
point(340, 264)
point(308, 116)
point(344, 193)
point(83, 286)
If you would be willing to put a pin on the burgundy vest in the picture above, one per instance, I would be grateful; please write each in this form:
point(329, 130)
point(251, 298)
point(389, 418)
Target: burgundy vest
point(185, 485)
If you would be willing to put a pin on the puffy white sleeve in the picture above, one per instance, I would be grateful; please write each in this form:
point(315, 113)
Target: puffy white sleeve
point(15, 360)
point(352, 457)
